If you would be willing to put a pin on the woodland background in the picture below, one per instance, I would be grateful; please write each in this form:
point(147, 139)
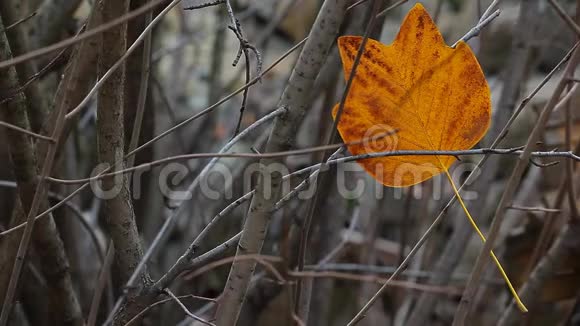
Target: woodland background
point(81, 258)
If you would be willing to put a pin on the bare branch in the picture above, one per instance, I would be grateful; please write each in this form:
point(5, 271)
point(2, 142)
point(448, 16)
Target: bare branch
point(534, 209)
point(515, 151)
point(184, 308)
point(160, 302)
point(205, 5)
point(29, 133)
point(18, 22)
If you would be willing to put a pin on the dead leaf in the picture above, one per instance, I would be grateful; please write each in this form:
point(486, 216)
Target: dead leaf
point(435, 97)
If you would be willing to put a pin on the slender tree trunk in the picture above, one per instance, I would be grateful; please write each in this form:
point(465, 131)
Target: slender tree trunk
point(118, 208)
point(296, 99)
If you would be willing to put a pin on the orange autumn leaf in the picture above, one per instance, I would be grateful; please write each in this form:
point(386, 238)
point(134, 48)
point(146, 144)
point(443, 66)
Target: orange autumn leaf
point(435, 97)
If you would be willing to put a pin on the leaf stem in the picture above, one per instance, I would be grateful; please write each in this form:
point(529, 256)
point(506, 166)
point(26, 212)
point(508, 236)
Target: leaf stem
point(517, 299)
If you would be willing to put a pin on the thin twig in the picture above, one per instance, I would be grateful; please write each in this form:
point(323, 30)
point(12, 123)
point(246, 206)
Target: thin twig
point(481, 151)
point(29, 133)
point(170, 111)
point(245, 94)
point(33, 78)
point(205, 5)
point(354, 5)
point(184, 308)
point(210, 255)
point(305, 182)
point(353, 224)
point(244, 48)
point(534, 209)
point(236, 27)
point(297, 320)
point(447, 290)
point(267, 261)
point(477, 29)
point(263, 260)
point(160, 302)
point(391, 7)
point(280, 111)
point(143, 91)
point(570, 165)
point(562, 13)
point(102, 281)
point(375, 269)
point(488, 11)
point(262, 38)
point(18, 22)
